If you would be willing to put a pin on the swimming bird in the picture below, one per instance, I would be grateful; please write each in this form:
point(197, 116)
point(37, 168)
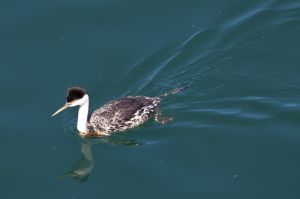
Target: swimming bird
point(116, 115)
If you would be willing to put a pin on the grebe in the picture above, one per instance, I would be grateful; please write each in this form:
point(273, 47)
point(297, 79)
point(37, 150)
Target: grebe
point(116, 115)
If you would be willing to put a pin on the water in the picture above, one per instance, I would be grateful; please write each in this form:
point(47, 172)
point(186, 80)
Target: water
point(236, 128)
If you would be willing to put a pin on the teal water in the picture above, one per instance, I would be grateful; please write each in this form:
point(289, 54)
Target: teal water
point(236, 128)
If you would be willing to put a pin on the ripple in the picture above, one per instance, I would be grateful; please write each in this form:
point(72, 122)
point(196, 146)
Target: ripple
point(231, 68)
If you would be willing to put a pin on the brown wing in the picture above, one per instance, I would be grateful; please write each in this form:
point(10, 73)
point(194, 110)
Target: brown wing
point(116, 113)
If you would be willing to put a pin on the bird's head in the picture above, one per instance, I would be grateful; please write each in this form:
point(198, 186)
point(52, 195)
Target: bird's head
point(76, 97)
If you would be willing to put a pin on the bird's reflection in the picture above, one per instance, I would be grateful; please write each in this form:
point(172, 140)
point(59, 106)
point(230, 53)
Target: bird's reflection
point(82, 169)
point(119, 141)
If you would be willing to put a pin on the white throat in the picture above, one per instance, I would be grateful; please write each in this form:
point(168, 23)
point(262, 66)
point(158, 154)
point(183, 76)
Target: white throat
point(83, 115)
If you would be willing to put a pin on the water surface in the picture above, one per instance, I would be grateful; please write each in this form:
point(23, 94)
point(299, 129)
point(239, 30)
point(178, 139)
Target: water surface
point(236, 128)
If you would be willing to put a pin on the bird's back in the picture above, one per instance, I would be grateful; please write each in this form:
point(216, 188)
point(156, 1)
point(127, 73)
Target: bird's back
point(123, 113)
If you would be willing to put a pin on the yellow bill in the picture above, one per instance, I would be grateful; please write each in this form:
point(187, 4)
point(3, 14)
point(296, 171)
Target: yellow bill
point(61, 109)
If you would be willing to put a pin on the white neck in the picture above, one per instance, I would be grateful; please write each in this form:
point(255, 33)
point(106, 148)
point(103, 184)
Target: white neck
point(82, 117)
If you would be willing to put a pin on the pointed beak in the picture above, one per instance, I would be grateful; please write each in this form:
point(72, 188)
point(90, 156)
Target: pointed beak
point(61, 109)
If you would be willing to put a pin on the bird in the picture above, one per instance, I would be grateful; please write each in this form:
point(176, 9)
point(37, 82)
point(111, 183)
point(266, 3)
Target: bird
point(116, 115)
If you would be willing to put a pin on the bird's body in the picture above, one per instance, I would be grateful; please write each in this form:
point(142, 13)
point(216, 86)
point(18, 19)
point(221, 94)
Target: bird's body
point(122, 114)
point(116, 115)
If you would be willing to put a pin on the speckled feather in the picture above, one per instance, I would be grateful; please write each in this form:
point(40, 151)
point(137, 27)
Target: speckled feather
point(122, 114)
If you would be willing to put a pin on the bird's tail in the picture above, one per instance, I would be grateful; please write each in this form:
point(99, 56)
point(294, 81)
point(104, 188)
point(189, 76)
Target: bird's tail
point(173, 91)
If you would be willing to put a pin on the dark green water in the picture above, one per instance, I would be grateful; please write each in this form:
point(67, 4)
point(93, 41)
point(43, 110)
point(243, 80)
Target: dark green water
point(236, 128)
